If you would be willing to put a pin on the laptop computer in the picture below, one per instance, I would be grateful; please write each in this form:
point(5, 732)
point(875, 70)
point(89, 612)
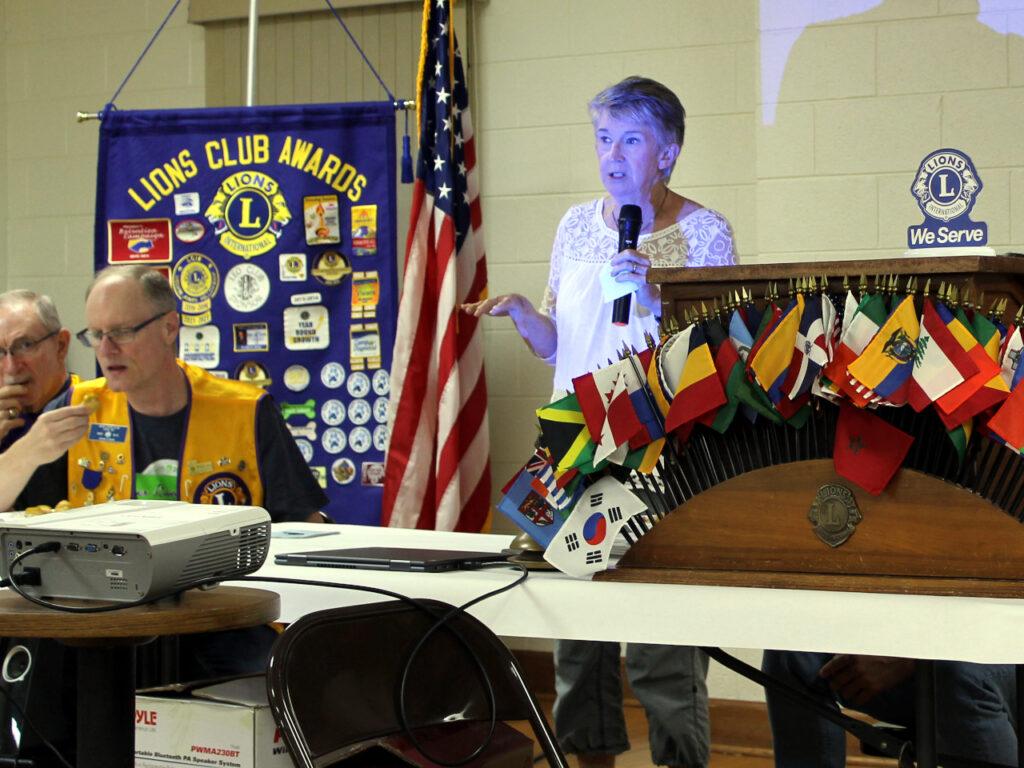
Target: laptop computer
point(392, 559)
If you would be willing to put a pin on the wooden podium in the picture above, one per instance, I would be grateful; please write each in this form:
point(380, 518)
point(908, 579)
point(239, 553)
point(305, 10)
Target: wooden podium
point(924, 534)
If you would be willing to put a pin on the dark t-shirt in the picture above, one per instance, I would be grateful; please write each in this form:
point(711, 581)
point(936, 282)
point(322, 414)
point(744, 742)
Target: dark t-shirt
point(290, 492)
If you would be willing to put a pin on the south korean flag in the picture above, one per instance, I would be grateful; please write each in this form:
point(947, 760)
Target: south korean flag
point(583, 543)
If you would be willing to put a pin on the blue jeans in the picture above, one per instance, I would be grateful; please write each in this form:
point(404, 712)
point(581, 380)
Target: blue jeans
point(974, 709)
point(668, 680)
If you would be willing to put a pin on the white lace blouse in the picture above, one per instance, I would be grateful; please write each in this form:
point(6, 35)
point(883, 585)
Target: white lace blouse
point(583, 320)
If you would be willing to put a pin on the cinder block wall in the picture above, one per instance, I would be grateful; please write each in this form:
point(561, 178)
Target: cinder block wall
point(61, 56)
point(804, 130)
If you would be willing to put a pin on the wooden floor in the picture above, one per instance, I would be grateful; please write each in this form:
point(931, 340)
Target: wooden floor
point(640, 755)
point(748, 752)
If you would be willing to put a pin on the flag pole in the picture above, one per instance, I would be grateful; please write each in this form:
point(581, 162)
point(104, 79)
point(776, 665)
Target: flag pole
point(250, 70)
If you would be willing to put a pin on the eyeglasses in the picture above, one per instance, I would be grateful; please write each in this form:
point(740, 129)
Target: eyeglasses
point(91, 338)
point(24, 347)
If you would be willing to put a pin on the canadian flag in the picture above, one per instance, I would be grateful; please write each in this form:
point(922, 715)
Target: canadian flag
point(604, 398)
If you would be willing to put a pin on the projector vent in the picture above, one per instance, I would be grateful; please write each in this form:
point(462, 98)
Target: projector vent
point(222, 555)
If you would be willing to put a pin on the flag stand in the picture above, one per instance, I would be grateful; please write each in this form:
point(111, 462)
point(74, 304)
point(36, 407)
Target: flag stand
point(944, 532)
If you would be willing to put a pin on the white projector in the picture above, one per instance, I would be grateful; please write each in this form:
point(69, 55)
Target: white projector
point(133, 550)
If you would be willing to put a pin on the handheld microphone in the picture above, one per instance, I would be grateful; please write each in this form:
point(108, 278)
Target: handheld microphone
point(630, 219)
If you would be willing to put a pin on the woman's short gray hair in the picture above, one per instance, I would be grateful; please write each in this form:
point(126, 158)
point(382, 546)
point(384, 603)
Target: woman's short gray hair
point(42, 303)
point(644, 101)
point(156, 288)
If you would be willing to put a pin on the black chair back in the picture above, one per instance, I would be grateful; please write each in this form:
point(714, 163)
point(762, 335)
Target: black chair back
point(335, 675)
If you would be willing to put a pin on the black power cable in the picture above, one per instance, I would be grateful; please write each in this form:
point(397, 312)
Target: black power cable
point(16, 581)
point(39, 734)
point(442, 620)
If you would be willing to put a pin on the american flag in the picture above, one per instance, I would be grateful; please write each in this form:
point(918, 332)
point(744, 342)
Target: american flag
point(438, 466)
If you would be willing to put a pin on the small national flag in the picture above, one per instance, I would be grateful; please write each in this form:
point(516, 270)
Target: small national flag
point(860, 330)
point(564, 433)
point(868, 450)
point(698, 390)
point(984, 389)
point(731, 374)
point(810, 348)
point(1010, 367)
point(604, 397)
point(942, 363)
point(740, 336)
point(547, 481)
point(755, 401)
point(887, 362)
point(584, 542)
point(438, 468)
point(770, 358)
point(530, 510)
point(1008, 422)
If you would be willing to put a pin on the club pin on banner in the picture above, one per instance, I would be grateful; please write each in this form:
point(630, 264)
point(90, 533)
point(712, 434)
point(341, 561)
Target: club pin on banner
point(276, 227)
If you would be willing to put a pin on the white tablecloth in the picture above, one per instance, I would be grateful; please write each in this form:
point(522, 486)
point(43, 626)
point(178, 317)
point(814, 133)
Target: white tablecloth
point(551, 605)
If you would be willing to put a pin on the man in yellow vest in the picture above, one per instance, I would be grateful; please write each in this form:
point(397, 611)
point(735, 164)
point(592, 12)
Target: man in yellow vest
point(164, 429)
point(34, 433)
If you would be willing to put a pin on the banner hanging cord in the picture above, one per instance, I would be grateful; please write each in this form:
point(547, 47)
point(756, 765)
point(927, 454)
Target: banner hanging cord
point(406, 173)
point(355, 42)
point(110, 105)
point(403, 105)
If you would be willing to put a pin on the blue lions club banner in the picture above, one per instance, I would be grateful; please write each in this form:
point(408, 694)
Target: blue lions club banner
point(276, 228)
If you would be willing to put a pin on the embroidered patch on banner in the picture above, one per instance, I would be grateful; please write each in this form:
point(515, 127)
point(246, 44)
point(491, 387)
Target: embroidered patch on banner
point(343, 471)
point(331, 268)
point(200, 345)
point(364, 230)
point(332, 375)
point(306, 328)
point(332, 412)
point(246, 287)
point(292, 267)
point(108, 433)
point(321, 217)
point(189, 230)
point(195, 280)
point(251, 337)
point(359, 412)
point(186, 203)
point(139, 241)
point(253, 373)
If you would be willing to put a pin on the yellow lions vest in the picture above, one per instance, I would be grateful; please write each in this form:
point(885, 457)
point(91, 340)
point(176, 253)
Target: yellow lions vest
point(217, 464)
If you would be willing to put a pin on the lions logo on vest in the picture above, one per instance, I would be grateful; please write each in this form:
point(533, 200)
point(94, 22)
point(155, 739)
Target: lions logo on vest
point(222, 488)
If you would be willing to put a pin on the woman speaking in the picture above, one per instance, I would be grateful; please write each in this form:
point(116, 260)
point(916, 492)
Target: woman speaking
point(639, 126)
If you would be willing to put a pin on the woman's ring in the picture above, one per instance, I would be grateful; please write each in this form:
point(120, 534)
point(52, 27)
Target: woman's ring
point(12, 412)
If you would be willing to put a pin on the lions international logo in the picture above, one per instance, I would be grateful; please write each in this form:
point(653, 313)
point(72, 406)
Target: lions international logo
point(248, 213)
point(946, 184)
point(222, 488)
point(946, 187)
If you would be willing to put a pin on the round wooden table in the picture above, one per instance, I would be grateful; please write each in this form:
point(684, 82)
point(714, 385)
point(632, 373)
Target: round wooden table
point(105, 649)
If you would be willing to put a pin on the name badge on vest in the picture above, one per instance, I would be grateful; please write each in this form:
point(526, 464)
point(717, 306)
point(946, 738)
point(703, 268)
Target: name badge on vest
point(108, 433)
